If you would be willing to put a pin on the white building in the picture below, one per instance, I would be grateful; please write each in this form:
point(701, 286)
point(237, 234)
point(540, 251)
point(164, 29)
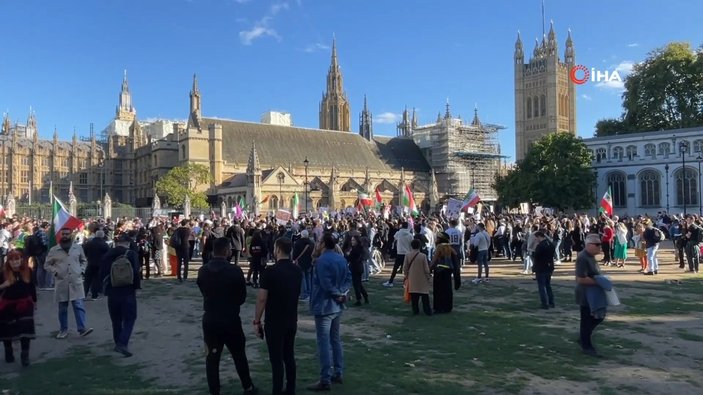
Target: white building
point(645, 171)
point(277, 118)
point(160, 128)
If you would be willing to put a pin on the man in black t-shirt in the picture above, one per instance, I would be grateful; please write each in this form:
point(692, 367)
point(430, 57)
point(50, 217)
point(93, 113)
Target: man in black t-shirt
point(278, 296)
point(224, 291)
point(302, 256)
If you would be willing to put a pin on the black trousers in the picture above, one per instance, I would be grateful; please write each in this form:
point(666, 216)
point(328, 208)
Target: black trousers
point(235, 256)
point(191, 248)
point(415, 298)
point(216, 336)
point(24, 347)
point(588, 324)
point(281, 346)
point(359, 289)
point(91, 282)
point(144, 264)
point(183, 261)
point(399, 260)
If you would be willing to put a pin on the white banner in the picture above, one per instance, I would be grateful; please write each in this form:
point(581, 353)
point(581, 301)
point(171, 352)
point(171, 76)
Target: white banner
point(454, 207)
point(282, 217)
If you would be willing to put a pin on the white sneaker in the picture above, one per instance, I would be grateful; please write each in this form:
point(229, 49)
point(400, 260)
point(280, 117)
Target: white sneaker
point(388, 284)
point(62, 335)
point(525, 272)
point(557, 263)
point(477, 280)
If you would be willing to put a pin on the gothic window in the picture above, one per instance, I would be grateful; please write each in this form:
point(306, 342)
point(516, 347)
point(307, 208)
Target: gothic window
point(664, 149)
point(616, 183)
point(183, 151)
point(686, 187)
point(25, 176)
point(25, 160)
point(650, 150)
point(155, 161)
point(650, 182)
point(535, 109)
point(543, 105)
point(631, 152)
point(273, 202)
point(529, 107)
point(601, 154)
point(698, 146)
point(83, 180)
point(618, 153)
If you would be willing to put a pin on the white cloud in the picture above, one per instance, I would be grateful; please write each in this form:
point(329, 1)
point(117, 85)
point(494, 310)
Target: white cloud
point(632, 45)
point(387, 117)
point(278, 7)
point(316, 47)
point(586, 97)
point(263, 27)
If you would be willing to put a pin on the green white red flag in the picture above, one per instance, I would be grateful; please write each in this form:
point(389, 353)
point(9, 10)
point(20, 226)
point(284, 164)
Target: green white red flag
point(62, 219)
point(606, 204)
point(471, 199)
point(379, 199)
point(365, 199)
point(411, 200)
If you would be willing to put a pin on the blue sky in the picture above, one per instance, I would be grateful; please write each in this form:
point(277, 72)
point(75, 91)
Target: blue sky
point(66, 58)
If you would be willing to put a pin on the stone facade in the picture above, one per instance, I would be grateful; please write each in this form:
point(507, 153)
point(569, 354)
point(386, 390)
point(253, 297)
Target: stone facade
point(644, 171)
point(545, 96)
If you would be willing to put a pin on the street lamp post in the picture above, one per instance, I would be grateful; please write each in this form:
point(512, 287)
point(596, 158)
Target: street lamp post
point(306, 162)
point(683, 147)
point(700, 202)
point(666, 169)
point(280, 178)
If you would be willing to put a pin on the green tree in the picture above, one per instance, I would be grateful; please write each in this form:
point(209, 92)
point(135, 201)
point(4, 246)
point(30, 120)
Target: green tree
point(665, 91)
point(184, 180)
point(556, 172)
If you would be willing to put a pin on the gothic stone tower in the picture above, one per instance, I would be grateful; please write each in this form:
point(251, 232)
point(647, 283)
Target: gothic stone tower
point(334, 108)
point(366, 123)
point(545, 97)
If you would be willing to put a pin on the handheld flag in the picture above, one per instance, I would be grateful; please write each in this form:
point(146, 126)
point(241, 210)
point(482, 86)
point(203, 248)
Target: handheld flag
point(296, 202)
point(62, 219)
point(471, 199)
point(606, 204)
point(411, 201)
point(2, 211)
point(379, 199)
point(265, 199)
point(364, 199)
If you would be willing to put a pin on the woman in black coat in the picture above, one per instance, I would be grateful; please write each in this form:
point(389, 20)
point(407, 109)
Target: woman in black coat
point(355, 257)
point(445, 265)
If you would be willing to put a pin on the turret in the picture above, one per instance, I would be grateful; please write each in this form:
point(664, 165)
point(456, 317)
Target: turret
point(366, 123)
point(519, 54)
point(195, 109)
point(569, 53)
point(551, 40)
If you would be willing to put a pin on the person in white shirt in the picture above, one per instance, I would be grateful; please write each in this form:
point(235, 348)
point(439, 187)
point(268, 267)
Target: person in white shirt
point(481, 240)
point(402, 240)
point(456, 239)
point(5, 237)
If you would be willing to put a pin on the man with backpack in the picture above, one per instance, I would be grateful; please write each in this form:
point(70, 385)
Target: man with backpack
point(653, 237)
point(120, 271)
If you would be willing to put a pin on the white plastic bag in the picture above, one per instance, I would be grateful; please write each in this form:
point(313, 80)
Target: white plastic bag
point(612, 297)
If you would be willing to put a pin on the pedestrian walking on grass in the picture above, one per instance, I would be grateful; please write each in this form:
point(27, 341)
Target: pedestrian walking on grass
point(121, 289)
point(18, 296)
point(224, 291)
point(67, 263)
point(278, 297)
point(586, 269)
point(543, 267)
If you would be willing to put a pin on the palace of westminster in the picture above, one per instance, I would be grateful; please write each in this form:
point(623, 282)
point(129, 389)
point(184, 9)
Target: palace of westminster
point(272, 160)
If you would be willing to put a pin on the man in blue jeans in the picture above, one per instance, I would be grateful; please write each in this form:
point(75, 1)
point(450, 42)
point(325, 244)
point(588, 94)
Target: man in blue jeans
point(331, 280)
point(67, 262)
point(543, 267)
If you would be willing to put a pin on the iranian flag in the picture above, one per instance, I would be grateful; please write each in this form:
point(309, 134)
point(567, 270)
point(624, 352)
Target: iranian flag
point(2, 211)
point(471, 199)
point(606, 204)
point(265, 199)
point(379, 199)
point(365, 199)
point(62, 219)
point(296, 202)
point(410, 200)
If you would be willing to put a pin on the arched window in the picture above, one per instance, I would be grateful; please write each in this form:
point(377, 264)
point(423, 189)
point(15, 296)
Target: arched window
point(601, 154)
point(529, 107)
point(686, 186)
point(631, 152)
point(698, 146)
point(542, 105)
point(650, 150)
point(535, 110)
point(273, 202)
point(618, 153)
point(616, 183)
point(664, 149)
point(650, 182)
point(183, 151)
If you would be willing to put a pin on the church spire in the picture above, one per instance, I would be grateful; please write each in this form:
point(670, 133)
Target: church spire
point(366, 123)
point(5, 124)
point(195, 114)
point(569, 53)
point(551, 40)
point(334, 108)
point(476, 121)
point(125, 109)
point(414, 119)
point(253, 166)
point(447, 112)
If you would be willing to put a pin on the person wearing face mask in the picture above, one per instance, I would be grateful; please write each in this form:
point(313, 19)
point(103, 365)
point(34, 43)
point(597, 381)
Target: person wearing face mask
point(17, 299)
point(67, 262)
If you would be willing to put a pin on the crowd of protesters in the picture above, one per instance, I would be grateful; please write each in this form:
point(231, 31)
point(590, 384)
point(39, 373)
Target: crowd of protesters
point(333, 255)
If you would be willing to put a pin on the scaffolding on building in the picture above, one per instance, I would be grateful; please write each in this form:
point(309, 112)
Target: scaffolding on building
point(464, 156)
